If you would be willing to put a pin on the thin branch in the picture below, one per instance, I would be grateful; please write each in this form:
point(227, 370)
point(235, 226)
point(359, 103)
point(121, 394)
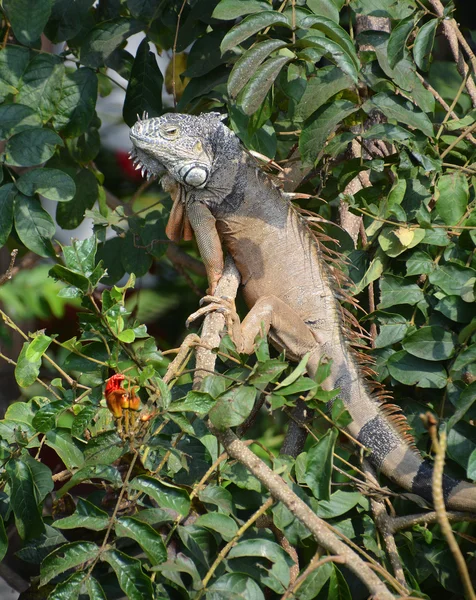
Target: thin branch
point(315, 563)
point(174, 52)
point(224, 551)
point(439, 503)
point(382, 520)
point(9, 272)
point(453, 35)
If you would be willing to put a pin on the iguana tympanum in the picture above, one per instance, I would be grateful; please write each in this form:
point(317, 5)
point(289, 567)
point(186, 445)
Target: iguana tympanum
point(228, 202)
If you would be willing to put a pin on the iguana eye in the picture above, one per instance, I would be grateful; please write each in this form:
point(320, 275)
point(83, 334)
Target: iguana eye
point(170, 131)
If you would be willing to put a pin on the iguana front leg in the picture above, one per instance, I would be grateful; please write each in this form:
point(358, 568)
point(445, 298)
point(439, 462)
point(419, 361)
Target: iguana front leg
point(209, 245)
point(269, 316)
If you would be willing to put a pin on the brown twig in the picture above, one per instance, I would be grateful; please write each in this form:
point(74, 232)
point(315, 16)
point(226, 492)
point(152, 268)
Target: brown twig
point(224, 551)
point(315, 563)
point(174, 52)
point(439, 504)
point(9, 272)
point(454, 36)
point(382, 521)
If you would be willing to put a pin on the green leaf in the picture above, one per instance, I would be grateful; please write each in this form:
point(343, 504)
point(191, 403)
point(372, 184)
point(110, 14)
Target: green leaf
point(277, 578)
point(45, 418)
point(419, 262)
point(254, 92)
point(80, 256)
point(127, 336)
point(373, 272)
point(333, 31)
point(166, 495)
point(465, 401)
point(61, 273)
point(233, 407)
point(333, 51)
point(324, 8)
point(338, 586)
point(135, 258)
point(393, 330)
point(315, 581)
point(41, 86)
point(251, 25)
point(424, 44)
point(133, 581)
point(7, 195)
point(37, 549)
point(13, 62)
point(26, 371)
point(456, 309)
point(31, 147)
point(399, 109)
point(218, 496)
point(86, 515)
point(265, 372)
point(222, 524)
point(94, 589)
point(455, 280)
point(395, 291)
point(82, 420)
point(27, 18)
point(23, 500)
point(430, 343)
point(70, 215)
point(63, 444)
point(395, 241)
point(234, 586)
point(37, 347)
point(303, 384)
point(69, 589)
point(3, 540)
point(197, 402)
point(104, 38)
point(320, 125)
point(319, 465)
point(411, 370)
point(144, 91)
point(296, 373)
point(15, 118)
point(67, 557)
point(339, 503)
point(246, 66)
point(42, 477)
point(102, 472)
point(67, 19)
point(33, 225)
point(327, 82)
point(50, 183)
point(145, 535)
point(452, 197)
point(229, 10)
point(77, 102)
point(398, 40)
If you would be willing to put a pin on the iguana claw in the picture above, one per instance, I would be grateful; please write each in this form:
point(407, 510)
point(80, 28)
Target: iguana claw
point(223, 304)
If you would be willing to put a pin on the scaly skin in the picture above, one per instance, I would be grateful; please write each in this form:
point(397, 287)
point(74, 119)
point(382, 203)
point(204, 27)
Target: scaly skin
point(228, 202)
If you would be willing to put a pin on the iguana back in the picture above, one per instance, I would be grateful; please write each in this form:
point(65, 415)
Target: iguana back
point(229, 202)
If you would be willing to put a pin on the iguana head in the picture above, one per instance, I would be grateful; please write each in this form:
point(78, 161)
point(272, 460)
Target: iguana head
point(177, 143)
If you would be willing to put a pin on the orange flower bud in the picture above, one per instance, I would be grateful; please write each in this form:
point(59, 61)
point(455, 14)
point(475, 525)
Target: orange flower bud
point(115, 401)
point(134, 401)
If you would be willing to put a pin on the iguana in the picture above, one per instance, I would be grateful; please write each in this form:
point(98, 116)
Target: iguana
point(230, 203)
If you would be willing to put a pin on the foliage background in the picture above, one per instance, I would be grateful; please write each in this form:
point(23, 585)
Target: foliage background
point(365, 107)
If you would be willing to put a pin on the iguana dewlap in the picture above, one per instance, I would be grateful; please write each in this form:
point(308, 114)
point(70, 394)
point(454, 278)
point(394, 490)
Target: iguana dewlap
point(228, 202)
